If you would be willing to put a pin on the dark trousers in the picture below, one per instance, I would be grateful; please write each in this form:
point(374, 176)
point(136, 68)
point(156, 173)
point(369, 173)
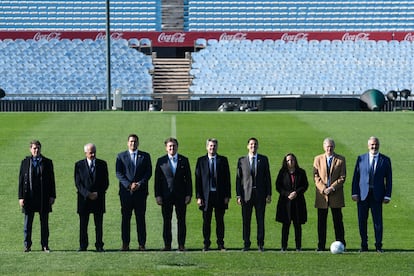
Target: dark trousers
point(259, 204)
point(338, 226)
point(44, 229)
point(219, 216)
point(83, 230)
point(298, 235)
point(138, 204)
point(376, 212)
point(180, 212)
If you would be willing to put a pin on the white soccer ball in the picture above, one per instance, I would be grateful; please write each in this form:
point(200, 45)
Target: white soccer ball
point(337, 247)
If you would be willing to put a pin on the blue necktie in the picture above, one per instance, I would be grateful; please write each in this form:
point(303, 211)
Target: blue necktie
point(371, 173)
point(173, 164)
point(133, 159)
point(329, 163)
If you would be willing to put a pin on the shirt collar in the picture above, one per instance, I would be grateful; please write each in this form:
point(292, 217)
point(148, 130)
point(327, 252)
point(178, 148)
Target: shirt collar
point(174, 157)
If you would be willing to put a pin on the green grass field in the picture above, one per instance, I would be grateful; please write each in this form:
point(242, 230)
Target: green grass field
point(64, 134)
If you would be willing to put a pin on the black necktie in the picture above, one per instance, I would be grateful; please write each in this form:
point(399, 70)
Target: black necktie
point(92, 168)
point(212, 173)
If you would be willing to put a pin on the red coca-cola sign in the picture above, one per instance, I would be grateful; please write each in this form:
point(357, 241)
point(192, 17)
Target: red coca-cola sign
point(294, 37)
point(47, 36)
point(355, 37)
point(236, 36)
point(114, 36)
point(178, 37)
point(409, 37)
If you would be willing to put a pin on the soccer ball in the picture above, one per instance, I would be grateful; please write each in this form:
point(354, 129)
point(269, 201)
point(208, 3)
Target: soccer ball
point(337, 247)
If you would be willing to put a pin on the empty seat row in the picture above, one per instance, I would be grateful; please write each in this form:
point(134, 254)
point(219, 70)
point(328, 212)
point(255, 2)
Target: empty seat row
point(343, 15)
point(74, 69)
point(261, 68)
point(80, 15)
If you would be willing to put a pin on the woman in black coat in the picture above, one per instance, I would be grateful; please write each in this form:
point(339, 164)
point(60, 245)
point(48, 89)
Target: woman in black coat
point(291, 183)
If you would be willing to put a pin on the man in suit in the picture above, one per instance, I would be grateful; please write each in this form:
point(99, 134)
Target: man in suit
point(213, 191)
point(37, 193)
point(329, 171)
point(253, 189)
point(91, 181)
point(173, 187)
point(133, 170)
point(371, 187)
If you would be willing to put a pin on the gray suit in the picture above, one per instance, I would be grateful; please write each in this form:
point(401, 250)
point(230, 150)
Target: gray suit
point(253, 190)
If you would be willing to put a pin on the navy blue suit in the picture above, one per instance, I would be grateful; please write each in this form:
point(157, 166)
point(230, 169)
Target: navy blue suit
point(371, 197)
point(213, 199)
point(127, 173)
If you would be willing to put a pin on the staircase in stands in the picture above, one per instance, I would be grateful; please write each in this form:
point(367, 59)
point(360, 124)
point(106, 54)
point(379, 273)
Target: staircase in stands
point(171, 80)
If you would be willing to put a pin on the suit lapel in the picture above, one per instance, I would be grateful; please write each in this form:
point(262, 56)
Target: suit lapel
point(166, 167)
point(130, 166)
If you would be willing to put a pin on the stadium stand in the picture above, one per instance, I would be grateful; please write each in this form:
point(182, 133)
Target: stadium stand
point(255, 69)
point(299, 15)
point(251, 69)
point(72, 69)
point(80, 15)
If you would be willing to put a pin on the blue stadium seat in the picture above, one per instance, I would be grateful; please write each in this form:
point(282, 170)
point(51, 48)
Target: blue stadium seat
point(312, 15)
point(45, 70)
point(302, 68)
point(80, 15)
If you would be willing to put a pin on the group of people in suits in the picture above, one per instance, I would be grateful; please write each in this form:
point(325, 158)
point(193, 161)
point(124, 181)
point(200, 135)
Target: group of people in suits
point(173, 189)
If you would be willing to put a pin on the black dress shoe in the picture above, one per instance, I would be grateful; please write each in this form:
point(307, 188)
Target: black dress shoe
point(166, 248)
point(125, 247)
point(379, 250)
point(363, 249)
point(81, 249)
point(221, 248)
point(181, 248)
point(261, 248)
point(46, 249)
point(246, 248)
point(27, 249)
point(141, 248)
point(206, 248)
point(100, 249)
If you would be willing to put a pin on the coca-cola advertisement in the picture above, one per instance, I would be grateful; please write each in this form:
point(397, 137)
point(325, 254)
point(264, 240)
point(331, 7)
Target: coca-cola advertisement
point(187, 39)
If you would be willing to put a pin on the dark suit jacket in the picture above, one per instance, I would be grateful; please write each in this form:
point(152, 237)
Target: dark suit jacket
point(382, 177)
point(173, 187)
point(48, 187)
point(284, 205)
point(244, 179)
point(86, 183)
point(126, 174)
point(223, 184)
